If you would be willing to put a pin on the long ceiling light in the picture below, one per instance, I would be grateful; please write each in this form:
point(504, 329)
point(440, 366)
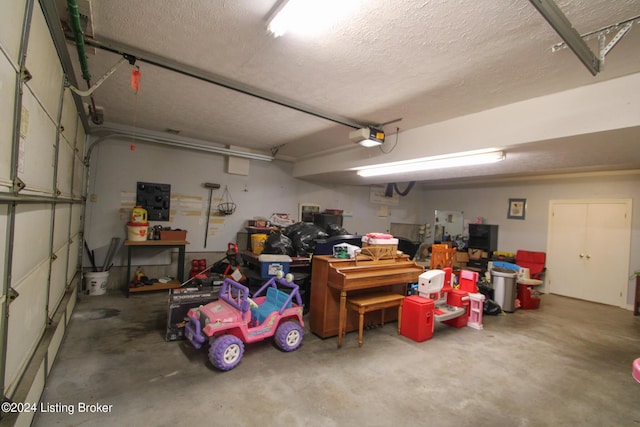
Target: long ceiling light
point(436, 162)
point(307, 16)
point(106, 132)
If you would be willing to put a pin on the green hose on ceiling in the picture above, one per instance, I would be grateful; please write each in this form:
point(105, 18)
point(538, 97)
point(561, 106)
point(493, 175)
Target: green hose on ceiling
point(76, 26)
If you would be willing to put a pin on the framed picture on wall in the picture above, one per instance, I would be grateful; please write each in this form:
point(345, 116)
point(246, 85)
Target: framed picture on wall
point(517, 208)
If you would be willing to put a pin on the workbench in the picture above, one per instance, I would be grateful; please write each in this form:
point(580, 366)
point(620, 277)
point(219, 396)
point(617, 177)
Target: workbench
point(180, 244)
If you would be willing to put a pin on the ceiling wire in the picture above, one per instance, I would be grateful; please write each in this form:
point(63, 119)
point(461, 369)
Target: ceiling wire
point(394, 145)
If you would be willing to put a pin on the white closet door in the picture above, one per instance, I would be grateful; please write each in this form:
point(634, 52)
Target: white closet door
point(607, 253)
point(565, 266)
point(588, 250)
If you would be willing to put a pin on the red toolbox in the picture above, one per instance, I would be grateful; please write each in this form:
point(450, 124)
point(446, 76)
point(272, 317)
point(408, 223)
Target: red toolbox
point(417, 318)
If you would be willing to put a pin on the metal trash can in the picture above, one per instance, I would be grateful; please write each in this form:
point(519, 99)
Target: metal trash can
point(504, 288)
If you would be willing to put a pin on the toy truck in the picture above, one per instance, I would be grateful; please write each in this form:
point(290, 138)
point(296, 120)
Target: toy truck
point(235, 319)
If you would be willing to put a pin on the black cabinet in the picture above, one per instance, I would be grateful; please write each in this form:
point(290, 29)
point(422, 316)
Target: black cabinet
point(483, 236)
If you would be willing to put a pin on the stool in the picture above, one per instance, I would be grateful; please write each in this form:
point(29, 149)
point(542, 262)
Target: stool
point(636, 370)
point(365, 303)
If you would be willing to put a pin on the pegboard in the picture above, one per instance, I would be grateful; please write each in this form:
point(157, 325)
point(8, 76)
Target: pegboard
point(155, 198)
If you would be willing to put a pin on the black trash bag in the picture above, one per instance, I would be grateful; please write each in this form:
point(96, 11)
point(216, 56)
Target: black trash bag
point(491, 307)
point(295, 228)
point(278, 244)
point(304, 237)
point(485, 288)
point(336, 230)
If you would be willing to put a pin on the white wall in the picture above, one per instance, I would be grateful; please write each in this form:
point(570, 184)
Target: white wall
point(268, 189)
point(490, 202)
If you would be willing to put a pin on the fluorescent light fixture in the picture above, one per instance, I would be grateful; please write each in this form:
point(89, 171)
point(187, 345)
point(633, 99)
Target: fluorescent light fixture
point(437, 162)
point(307, 16)
point(367, 137)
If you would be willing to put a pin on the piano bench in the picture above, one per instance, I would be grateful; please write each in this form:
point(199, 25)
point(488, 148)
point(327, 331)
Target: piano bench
point(365, 303)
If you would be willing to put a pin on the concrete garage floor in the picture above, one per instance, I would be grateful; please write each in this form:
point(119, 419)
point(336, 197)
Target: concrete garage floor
point(566, 364)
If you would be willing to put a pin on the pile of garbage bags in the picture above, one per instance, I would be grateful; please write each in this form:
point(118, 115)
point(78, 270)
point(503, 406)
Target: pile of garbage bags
point(299, 239)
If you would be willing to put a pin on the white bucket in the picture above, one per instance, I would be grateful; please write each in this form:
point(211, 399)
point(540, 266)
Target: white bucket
point(96, 282)
point(137, 233)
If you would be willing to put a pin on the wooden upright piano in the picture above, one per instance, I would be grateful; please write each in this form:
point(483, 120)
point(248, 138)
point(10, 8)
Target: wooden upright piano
point(333, 278)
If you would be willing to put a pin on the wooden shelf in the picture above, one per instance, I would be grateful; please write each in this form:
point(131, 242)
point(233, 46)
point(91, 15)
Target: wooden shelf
point(156, 286)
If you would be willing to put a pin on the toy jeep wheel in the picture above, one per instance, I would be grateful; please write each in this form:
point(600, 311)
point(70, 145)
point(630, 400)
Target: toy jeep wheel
point(289, 336)
point(225, 352)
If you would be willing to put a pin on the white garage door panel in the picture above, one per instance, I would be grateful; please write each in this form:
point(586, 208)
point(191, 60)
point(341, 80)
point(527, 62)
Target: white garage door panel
point(3, 232)
point(11, 26)
point(81, 139)
point(7, 94)
point(31, 241)
point(44, 64)
point(61, 229)
point(58, 282)
point(2, 320)
point(76, 219)
point(72, 262)
point(27, 320)
point(54, 345)
point(65, 168)
point(69, 120)
point(35, 391)
point(71, 305)
point(38, 148)
point(78, 177)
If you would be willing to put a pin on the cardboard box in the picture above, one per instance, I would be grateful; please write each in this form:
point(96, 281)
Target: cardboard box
point(173, 235)
point(180, 301)
point(475, 254)
point(462, 257)
point(271, 264)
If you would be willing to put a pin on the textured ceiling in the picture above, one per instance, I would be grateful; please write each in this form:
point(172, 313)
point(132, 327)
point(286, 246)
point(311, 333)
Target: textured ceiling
point(423, 61)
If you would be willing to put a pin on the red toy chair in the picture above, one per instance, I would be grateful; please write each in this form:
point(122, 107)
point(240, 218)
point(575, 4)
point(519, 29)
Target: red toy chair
point(534, 263)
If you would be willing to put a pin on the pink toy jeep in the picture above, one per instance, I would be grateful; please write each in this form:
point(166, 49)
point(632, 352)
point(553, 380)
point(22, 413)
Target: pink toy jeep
point(235, 319)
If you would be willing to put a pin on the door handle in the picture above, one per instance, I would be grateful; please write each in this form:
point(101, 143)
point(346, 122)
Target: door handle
point(581, 255)
point(588, 256)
